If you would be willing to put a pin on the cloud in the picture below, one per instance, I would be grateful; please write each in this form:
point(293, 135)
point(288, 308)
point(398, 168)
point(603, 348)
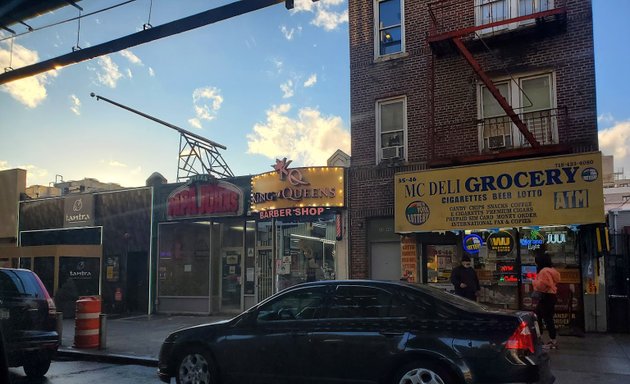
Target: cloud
point(109, 73)
point(34, 174)
point(117, 164)
point(195, 122)
point(309, 139)
point(133, 59)
point(76, 105)
point(278, 64)
point(616, 141)
point(30, 91)
point(289, 34)
point(311, 81)
point(287, 89)
point(151, 72)
point(206, 103)
point(605, 118)
point(129, 73)
point(328, 13)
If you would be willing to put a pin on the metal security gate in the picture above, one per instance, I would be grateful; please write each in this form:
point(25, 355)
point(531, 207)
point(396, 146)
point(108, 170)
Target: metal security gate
point(264, 279)
point(618, 283)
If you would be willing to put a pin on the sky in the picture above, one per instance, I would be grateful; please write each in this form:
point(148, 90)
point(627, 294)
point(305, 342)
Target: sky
point(269, 84)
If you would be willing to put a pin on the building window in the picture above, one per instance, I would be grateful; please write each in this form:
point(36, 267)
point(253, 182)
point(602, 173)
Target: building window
point(491, 11)
point(391, 128)
point(533, 99)
point(389, 29)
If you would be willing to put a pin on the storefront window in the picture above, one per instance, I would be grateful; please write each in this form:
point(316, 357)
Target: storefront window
point(231, 265)
point(496, 266)
point(560, 243)
point(305, 252)
point(184, 250)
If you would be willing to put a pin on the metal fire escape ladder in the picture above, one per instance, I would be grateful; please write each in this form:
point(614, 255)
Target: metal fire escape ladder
point(456, 38)
point(495, 92)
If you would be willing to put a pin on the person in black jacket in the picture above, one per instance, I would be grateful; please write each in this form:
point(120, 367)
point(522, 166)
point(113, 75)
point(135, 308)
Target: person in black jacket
point(465, 279)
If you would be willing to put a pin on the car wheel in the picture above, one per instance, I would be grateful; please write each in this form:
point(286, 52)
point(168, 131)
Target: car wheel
point(421, 372)
point(37, 364)
point(195, 367)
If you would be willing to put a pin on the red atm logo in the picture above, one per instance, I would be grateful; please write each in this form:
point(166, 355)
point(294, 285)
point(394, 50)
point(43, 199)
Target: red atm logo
point(205, 200)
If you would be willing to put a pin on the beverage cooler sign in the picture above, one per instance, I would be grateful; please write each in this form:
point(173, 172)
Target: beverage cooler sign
point(556, 190)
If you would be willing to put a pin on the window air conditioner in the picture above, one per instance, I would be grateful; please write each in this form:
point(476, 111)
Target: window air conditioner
point(393, 153)
point(495, 142)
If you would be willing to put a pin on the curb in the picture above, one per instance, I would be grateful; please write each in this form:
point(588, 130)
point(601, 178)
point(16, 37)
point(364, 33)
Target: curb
point(112, 358)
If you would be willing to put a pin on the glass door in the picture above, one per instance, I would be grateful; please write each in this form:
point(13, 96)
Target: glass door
point(231, 279)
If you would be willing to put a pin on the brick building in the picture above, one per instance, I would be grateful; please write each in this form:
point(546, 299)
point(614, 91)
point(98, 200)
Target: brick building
point(463, 86)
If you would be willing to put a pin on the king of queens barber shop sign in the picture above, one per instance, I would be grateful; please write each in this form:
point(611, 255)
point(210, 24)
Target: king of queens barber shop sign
point(292, 192)
point(205, 199)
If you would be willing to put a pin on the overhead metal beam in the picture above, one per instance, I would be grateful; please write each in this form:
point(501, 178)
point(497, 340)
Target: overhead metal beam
point(172, 28)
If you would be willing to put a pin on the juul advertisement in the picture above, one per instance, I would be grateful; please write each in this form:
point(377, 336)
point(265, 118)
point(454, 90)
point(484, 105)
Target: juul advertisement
point(288, 192)
point(556, 190)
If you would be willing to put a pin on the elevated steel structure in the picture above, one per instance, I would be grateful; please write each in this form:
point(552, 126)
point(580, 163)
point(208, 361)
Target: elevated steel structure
point(197, 155)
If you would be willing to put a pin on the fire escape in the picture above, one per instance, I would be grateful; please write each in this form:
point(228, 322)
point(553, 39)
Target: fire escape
point(465, 27)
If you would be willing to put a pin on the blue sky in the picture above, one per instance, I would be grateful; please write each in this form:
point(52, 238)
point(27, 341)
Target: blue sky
point(273, 83)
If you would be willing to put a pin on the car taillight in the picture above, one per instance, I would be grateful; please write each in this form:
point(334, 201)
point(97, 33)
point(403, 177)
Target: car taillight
point(521, 339)
point(52, 309)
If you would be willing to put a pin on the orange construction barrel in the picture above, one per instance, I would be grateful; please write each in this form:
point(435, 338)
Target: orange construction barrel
point(86, 328)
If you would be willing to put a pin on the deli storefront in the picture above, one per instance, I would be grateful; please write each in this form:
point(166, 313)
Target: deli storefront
point(502, 215)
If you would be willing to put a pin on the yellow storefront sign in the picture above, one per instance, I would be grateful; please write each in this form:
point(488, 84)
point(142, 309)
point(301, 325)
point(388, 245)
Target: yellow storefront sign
point(558, 190)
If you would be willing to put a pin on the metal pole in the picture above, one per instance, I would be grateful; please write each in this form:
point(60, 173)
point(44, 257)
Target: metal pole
point(102, 331)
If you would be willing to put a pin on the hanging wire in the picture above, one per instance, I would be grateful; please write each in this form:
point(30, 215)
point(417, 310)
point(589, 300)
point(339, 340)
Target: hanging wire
point(10, 68)
point(77, 47)
point(148, 23)
point(71, 19)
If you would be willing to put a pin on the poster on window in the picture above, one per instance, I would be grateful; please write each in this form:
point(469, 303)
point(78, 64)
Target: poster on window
point(440, 263)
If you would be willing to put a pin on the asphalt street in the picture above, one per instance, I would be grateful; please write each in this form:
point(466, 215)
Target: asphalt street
point(82, 372)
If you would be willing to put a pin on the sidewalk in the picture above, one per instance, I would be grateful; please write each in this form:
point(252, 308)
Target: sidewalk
point(132, 340)
point(594, 358)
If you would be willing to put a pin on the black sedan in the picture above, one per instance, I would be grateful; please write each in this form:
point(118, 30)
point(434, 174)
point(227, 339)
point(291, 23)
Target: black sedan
point(360, 331)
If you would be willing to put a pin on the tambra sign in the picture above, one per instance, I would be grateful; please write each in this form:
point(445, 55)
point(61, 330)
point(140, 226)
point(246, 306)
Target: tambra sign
point(209, 199)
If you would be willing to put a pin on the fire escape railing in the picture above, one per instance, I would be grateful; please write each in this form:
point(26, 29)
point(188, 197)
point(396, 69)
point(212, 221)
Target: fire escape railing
point(498, 132)
point(453, 21)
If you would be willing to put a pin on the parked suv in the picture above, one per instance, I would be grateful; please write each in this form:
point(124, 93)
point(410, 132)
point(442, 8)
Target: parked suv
point(28, 321)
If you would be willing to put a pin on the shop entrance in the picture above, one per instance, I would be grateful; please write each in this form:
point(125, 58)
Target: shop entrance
point(231, 279)
point(137, 288)
point(618, 284)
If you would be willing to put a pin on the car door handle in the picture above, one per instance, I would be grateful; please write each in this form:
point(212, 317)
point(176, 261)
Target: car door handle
point(391, 333)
